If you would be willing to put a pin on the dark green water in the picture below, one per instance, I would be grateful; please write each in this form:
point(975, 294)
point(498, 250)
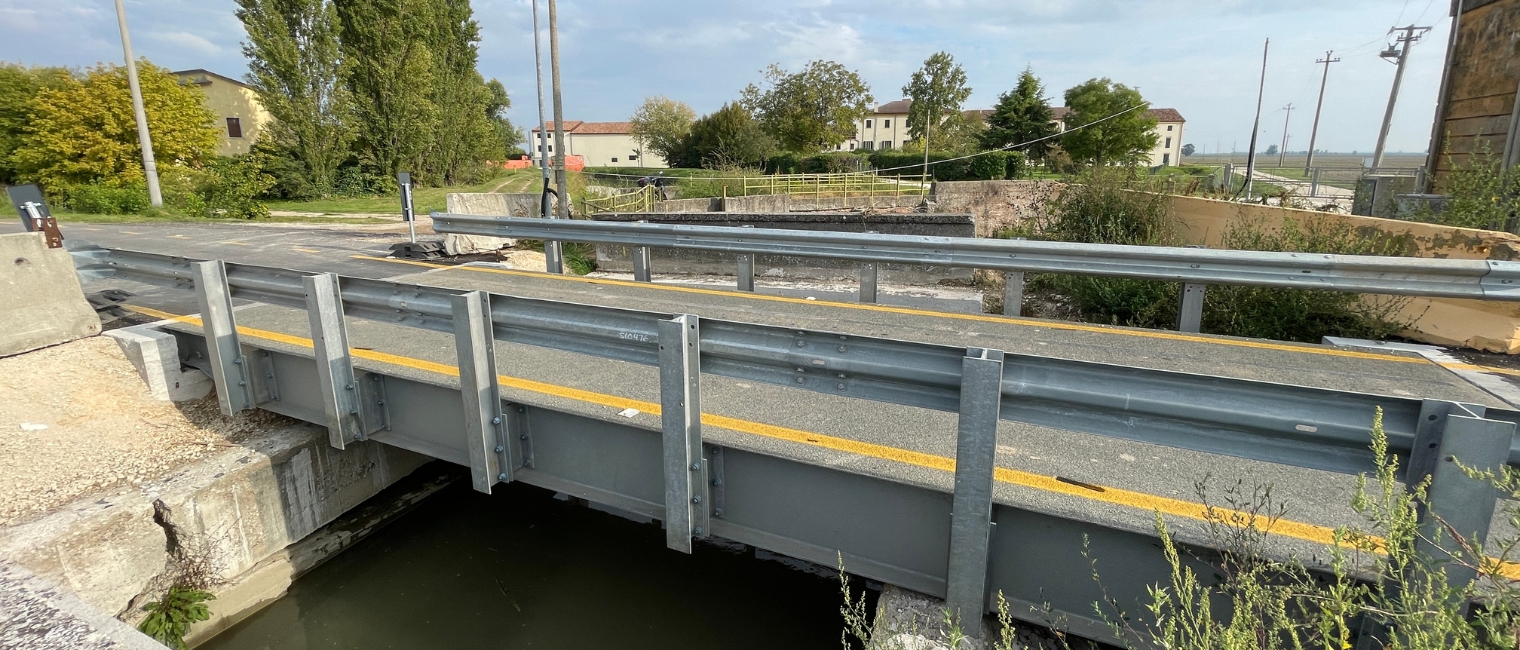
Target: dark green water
point(522, 569)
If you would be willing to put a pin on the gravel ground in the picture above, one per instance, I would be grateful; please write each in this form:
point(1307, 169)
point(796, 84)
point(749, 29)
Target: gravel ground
point(76, 420)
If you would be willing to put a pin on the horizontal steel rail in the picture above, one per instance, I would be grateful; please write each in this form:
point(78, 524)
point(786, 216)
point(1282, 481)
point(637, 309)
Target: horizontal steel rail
point(1477, 279)
point(1281, 423)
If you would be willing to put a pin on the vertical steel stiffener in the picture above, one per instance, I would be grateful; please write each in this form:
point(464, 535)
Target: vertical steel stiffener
point(341, 394)
point(971, 510)
point(474, 345)
point(229, 370)
point(686, 507)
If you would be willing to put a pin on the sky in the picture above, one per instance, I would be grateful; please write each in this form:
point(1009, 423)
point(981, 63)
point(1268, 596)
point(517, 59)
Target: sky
point(1202, 58)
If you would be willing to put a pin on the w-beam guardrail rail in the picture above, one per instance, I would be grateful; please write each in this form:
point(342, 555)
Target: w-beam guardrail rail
point(962, 546)
point(1196, 268)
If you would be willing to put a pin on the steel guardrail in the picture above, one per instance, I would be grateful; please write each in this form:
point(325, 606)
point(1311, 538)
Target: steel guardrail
point(1443, 278)
point(1273, 422)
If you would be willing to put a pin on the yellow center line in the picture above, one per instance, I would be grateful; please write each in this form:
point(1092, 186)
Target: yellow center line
point(1111, 495)
point(235, 243)
point(305, 250)
point(1055, 325)
point(128, 232)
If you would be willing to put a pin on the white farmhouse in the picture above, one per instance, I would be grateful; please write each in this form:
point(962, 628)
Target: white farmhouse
point(600, 144)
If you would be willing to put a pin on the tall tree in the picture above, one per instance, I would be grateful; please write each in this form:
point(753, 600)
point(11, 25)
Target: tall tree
point(1126, 138)
point(728, 138)
point(1021, 115)
point(462, 137)
point(295, 65)
point(937, 89)
point(811, 110)
point(18, 85)
point(507, 136)
point(661, 124)
point(389, 72)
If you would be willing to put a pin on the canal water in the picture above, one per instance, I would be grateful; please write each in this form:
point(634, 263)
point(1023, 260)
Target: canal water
point(522, 568)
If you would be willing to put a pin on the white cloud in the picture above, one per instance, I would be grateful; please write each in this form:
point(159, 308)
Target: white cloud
point(186, 39)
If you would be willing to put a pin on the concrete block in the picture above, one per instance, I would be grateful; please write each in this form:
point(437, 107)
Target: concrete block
point(491, 203)
point(155, 354)
point(38, 615)
point(41, 302)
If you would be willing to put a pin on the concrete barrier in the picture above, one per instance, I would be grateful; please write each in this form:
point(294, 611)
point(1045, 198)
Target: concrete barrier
point(41, 302)
point(36, 614)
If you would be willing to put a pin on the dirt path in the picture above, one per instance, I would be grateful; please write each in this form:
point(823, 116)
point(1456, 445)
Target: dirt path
point(75, 420)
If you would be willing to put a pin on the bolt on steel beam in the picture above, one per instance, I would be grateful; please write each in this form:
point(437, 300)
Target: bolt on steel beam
point(686, 513)
point(971, 507)
point(474, 346)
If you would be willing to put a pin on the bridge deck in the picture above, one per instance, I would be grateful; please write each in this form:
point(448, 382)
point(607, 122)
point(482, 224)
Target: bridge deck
point(1110, 481)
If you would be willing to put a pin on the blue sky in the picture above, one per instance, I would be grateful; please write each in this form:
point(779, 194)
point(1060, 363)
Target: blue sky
point(1200, 57)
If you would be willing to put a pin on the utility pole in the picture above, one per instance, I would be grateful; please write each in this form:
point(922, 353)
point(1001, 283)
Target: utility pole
point(150, 168)
point(1283, 152)
point(552, 258)
point(1407, 39)
point(1256, 124)
point(1314, 133)
point(543, 127)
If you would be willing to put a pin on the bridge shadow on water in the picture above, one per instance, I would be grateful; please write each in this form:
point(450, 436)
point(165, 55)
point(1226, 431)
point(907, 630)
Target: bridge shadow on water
point(524, 568)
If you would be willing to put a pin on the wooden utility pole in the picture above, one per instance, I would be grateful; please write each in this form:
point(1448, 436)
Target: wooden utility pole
point(1407, 39)
point(1256, 124)
point(1314, 132)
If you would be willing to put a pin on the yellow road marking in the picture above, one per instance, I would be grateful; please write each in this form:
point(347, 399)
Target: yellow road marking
point(235, 243)
point(305, 250)
point(180, 236)
point(1116, 496)
point(128, 232)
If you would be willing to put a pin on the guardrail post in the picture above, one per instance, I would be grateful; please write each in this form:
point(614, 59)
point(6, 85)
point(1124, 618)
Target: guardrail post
point(641, 262)
point(746, 269)
point(229, 370)
point(335, 368)
point(1457, 502)
point(1190, 313)
point(1013, 293)
point(686, 510)
point(474, 344)
point(1314, 183)
point(971, 509)
point(868, 273)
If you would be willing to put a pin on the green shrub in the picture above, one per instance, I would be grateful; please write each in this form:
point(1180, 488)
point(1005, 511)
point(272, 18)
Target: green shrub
point(171, 617)
point(1017, 166)
point(1483, 194)
point(106, 198)
point(833, 162)
point(990, 165)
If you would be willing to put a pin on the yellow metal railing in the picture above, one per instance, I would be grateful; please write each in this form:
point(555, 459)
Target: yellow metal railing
point(846, 186)
point(639, 200)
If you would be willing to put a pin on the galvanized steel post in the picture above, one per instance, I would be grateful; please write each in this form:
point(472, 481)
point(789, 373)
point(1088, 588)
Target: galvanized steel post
point(1013, 293)
point(1190, 312)
point(474, 344)
point(868, 278)
point(335, 367)
point(229, 370)
point(641, 263)
point(746, 270)
point(686, 514)
point(1459, 504)
point(971, 510)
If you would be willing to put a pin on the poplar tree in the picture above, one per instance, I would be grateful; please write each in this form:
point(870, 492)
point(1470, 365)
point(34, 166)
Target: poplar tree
point(463, 136)
point(295, 65)
point(388, 69)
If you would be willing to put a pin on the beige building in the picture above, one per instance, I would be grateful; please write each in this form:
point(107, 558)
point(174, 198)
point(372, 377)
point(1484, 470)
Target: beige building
point(1169, 123)
point(601, 144)
point(240, 116)
point(885, 128)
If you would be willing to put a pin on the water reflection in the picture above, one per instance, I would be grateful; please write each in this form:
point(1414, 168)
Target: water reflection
point(522, 569)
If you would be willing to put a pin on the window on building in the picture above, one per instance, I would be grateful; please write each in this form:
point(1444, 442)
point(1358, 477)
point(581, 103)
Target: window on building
point(614, 160)
point(886, 124)
point(1168, 127)
point(1166, 159)
point(886, 144)
point(1169, 143)
point(234, 127)
point(868, 124)
point(633, 156)
point(868, 145)
point(852, 146)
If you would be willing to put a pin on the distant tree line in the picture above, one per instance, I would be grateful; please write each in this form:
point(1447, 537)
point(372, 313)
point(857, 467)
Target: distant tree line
point(362, 89)
point(816, 109)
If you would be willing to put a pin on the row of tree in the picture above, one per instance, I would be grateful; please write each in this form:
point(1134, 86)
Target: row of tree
point(818, 108)
point(377, 85)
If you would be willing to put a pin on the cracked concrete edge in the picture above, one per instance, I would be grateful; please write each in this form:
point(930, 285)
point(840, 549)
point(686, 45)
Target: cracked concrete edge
point(36, 614)
point(1489, 383)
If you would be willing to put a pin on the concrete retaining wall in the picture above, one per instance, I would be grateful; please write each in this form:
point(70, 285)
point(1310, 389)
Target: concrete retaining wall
point(619, 258)
point(42, 303)
point(239, 509)
point(512, 205)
